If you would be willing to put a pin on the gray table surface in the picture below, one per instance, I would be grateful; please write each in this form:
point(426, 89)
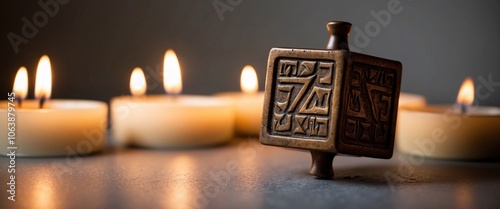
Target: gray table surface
point(245, 174)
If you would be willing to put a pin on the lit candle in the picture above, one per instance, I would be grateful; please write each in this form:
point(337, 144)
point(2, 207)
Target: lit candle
point(462, 131)
point(248, 103)
point(59, 128)
point(169, 121)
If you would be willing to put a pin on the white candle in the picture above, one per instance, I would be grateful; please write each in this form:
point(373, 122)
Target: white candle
point(445, 131)
point(248, 104)
point(159, 121)
point(170, 121)
point(60, 128)
point(407, 100)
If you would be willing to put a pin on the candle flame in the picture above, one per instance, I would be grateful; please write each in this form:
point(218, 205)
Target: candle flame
point(43, 82)
point(21, 83)
point(466, 93)
point(137, 82)
point(172, 81)
point(248, 80)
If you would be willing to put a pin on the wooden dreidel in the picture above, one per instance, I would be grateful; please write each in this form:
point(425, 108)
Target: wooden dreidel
point(331, 101)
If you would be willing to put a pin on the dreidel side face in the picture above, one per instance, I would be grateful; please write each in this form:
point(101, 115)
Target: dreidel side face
point(301, 103)
point(369, 103)
point(331, 100)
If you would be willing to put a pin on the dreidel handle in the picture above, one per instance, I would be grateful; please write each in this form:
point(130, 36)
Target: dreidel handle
point(338, 33)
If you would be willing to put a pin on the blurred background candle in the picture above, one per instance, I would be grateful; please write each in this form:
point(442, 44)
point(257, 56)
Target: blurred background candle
point(59, 128)
point(408, 100)
point(169, 121)
point(248, 103)
point(460, 131)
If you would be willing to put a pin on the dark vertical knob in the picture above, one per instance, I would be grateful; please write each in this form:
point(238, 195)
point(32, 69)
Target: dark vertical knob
point(321, 166)
point(338, 32)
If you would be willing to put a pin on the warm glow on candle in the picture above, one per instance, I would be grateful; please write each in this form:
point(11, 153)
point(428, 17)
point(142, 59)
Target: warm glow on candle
point(248, 81)
point(137, 82)
point(43, 83)
point(466, 93)
point(172, 81)
point(21, 83)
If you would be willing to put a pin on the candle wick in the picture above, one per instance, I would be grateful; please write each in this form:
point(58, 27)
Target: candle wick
point(464, 108)
point(174, 96)
point(20, 102)
point(42, 102)
point(138, 98)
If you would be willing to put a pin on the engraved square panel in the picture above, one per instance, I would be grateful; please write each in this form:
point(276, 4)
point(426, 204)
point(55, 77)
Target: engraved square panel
point(369, 106)
point(301, 98)
point(300, 108)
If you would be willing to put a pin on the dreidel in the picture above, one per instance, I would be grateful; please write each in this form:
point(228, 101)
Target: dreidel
point(331, 101)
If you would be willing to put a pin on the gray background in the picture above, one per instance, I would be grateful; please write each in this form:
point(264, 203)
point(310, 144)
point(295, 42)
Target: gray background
point(94, 45)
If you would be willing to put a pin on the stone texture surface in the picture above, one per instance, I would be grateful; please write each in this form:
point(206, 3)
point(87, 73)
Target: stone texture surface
point(245, 174)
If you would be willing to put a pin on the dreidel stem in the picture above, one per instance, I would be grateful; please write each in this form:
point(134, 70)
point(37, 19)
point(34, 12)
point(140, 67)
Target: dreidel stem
point(321, 166)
